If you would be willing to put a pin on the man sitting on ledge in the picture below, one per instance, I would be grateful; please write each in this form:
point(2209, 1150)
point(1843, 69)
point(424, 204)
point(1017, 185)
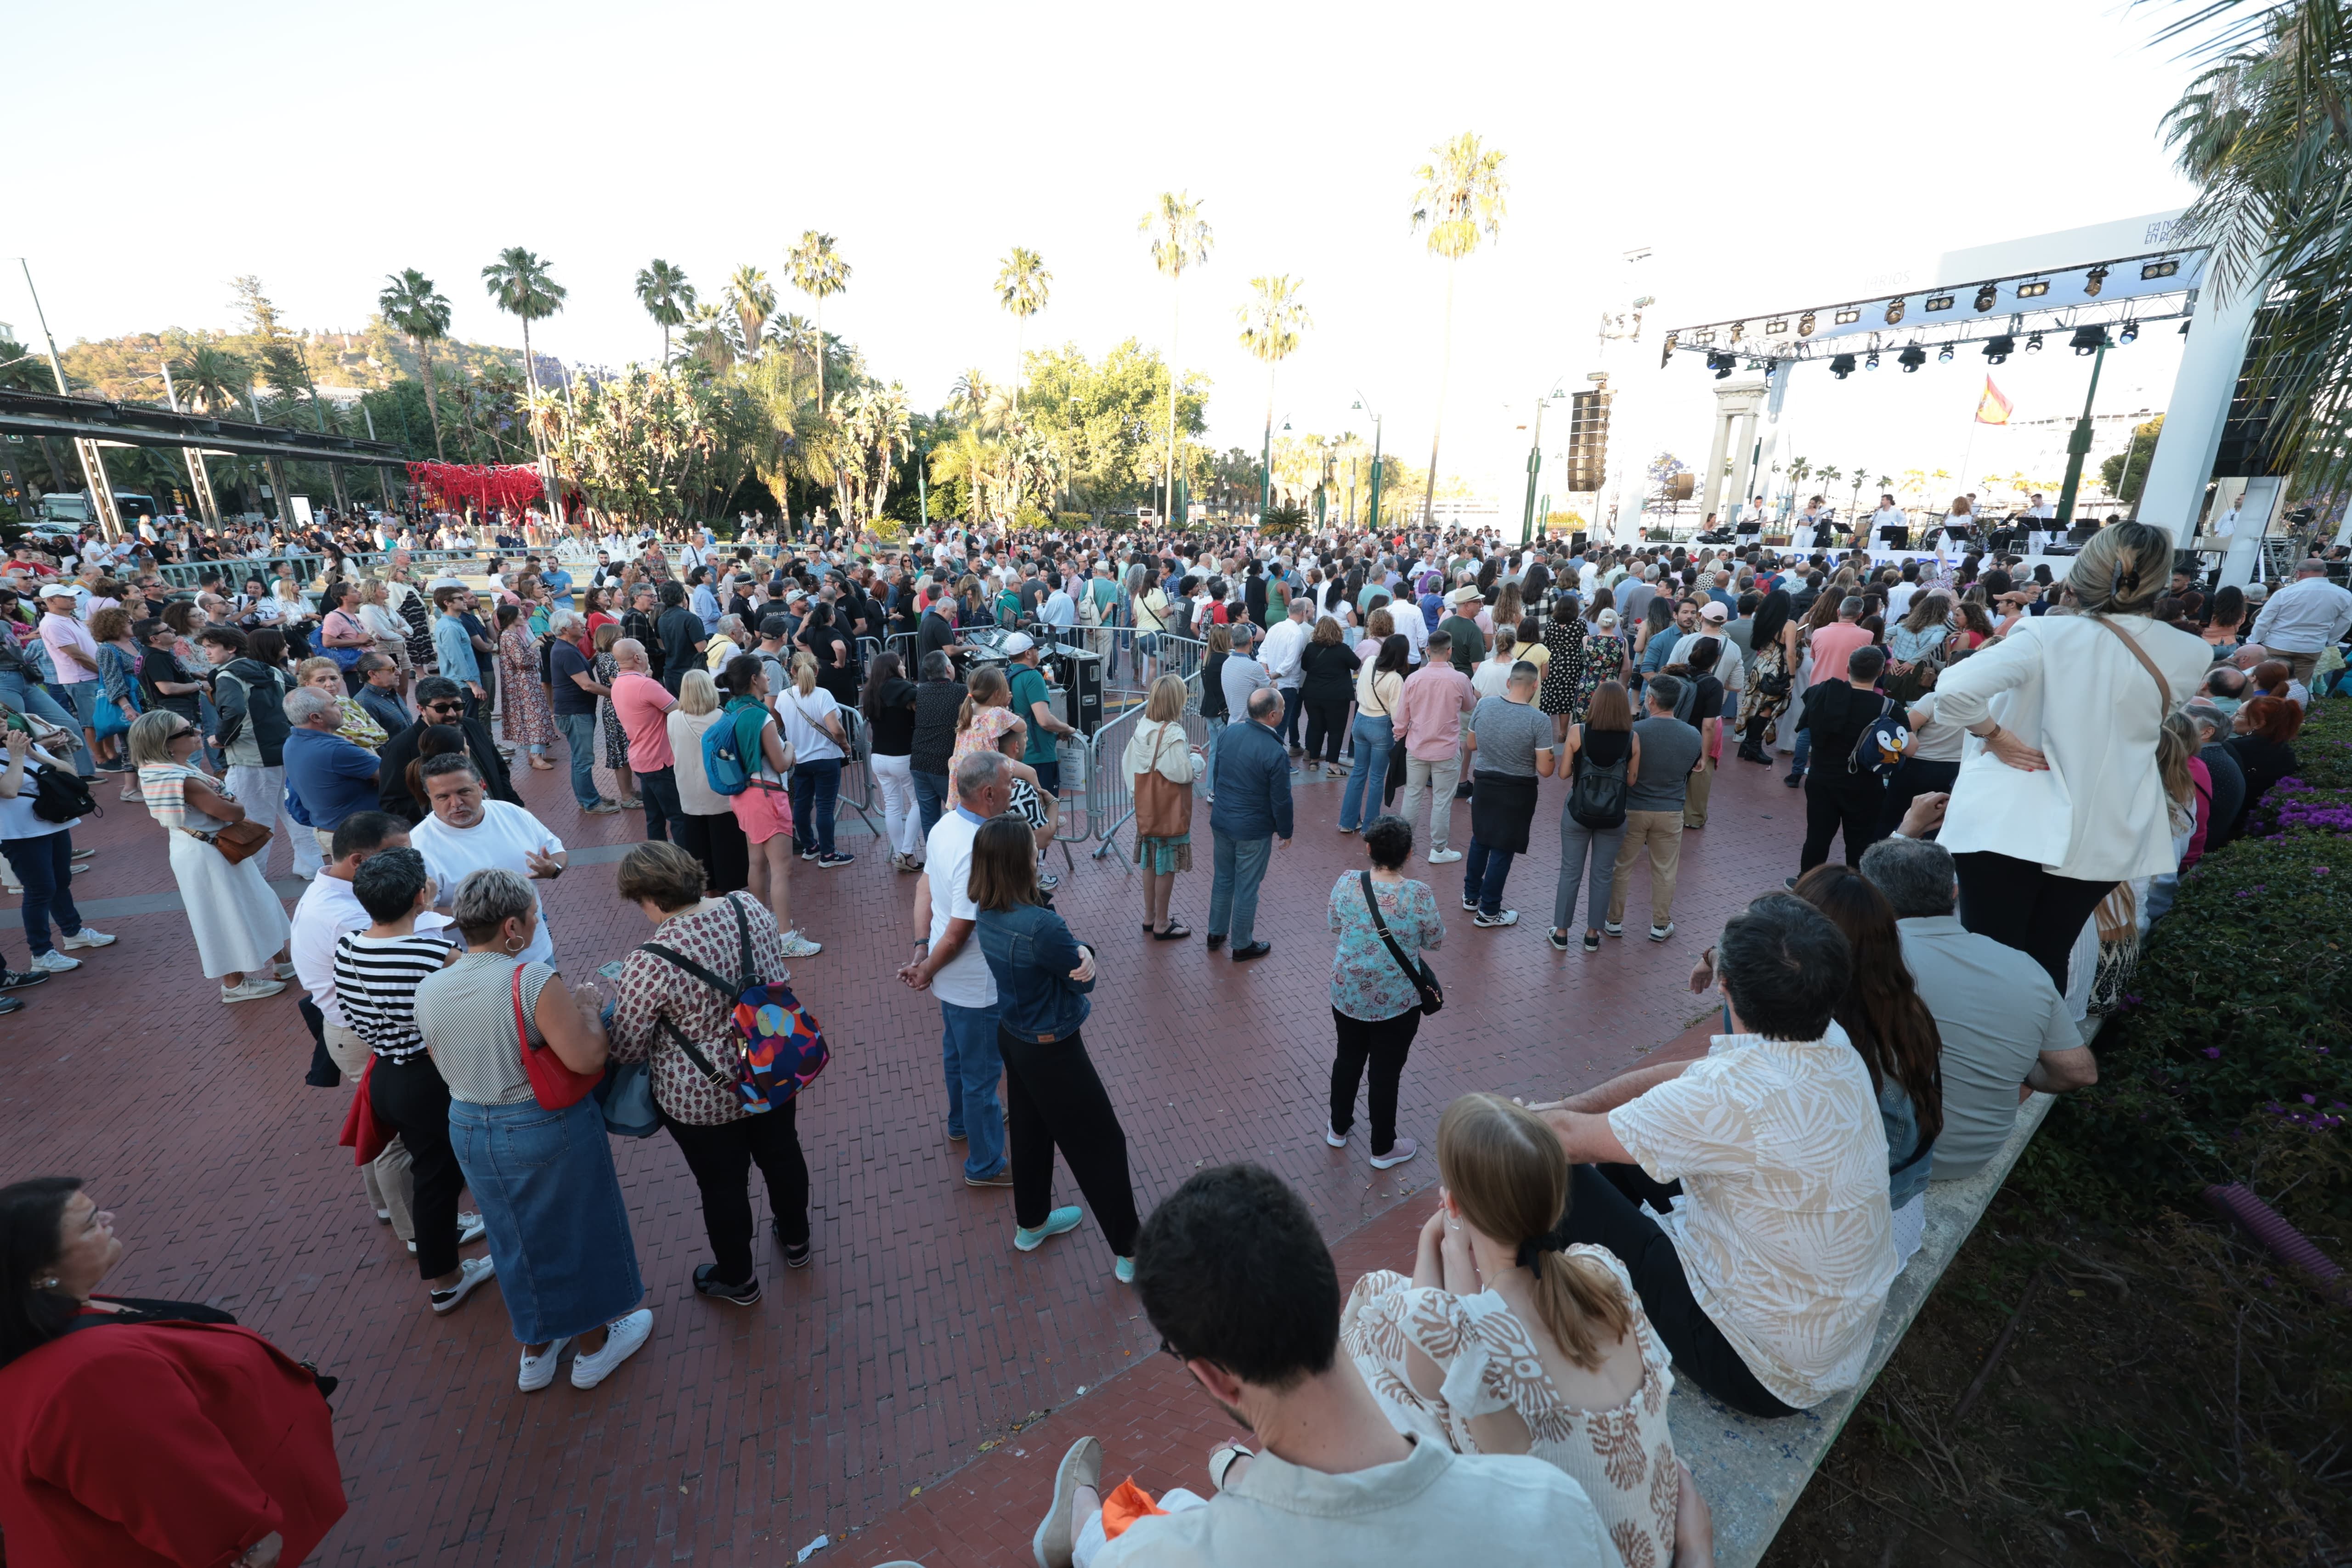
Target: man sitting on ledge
point(1236, 1279)
point(1767, 1280)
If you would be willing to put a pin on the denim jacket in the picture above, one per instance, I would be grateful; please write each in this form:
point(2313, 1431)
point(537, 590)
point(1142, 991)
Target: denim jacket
point(1031, 953)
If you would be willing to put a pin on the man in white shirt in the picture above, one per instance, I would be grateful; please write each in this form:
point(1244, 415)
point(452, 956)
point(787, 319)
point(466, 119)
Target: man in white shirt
point(2303, 619)
point(468, 832)
point(948, 965)
point(1766, 1275)
point(1410, 622)
point(1899, 598)
point(1235, 1276)
point(1284, 644)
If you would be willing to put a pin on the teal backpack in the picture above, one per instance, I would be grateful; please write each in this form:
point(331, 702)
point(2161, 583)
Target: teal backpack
point(730, 752)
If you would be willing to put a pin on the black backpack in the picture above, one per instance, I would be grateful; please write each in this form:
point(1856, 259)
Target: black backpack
point(1596, 798)
point(61, 796)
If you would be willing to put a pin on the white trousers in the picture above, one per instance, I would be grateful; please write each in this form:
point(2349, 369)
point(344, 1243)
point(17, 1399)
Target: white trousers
point(262, 792)
point(902, 819)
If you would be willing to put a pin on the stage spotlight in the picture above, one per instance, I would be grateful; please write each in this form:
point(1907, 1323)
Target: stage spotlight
point(1805, 325)
point(1944, 354)
point(1986, 297)
point(2033, 291)
point(2130, 334)
point(2088, 340)
point(1842, 366)
point(1774, 329)
point(1998, 350)
point(1912, 358)
point(1940, 301)
point(2033, 344)
point(1721, 364)
point(1894, 311)
point(1871, 364)
point(2093, 280)
point(1848, 317)
point(2159, 269)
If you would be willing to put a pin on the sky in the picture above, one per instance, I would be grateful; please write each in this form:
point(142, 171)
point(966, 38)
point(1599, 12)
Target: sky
point(1767, 157)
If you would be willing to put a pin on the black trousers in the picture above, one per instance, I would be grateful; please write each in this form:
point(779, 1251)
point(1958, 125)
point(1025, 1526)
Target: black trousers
point(1384, 1043)
point(1327, 727)
point(1053, 1100)
point(410, 1099)
point(1831, 806)
point(721, 1158)
point(2019, 905)
point(719, 843)
point(1604, 1209)
point(1913, 778)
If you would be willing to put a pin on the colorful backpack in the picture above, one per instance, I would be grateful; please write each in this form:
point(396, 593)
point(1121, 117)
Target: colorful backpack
point(780, 1046)
point(730, 762)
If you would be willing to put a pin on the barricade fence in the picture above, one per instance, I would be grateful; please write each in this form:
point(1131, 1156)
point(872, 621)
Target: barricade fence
point(1097, 763)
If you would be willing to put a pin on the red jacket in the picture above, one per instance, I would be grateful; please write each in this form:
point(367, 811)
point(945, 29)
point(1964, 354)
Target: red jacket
point(162, 1446)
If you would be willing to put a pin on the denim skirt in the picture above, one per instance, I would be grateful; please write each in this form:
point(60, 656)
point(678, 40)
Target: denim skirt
point(551, 1204)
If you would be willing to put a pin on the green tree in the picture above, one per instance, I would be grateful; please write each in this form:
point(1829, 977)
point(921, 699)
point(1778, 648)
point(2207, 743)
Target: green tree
point(1179, 240)
point(753, 300)
point(2126, 474)
point(1272, 323)
point(1023, 286)
point(666, 296)
point(211, 380)
point(522, 285)
point(411, 303)
point(819, 272)
point(1460, 203)
point(1102, 420)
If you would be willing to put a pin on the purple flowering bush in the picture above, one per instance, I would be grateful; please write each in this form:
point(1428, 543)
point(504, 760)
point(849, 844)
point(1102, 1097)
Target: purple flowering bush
point(2233, 1060)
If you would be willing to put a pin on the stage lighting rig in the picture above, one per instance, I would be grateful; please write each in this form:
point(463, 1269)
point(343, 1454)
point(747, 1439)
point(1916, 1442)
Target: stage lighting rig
point(2156, 269)
point(1912, 358)
point(2130, 334)
point(1723, 365)
point(1987, 297)
point(2033, 291)
point(1871, 363)
point(2088, 340)
point(1894, 311)
point(1944, 354)
point(2093, 280)
point(2033, 344)
point(1842, 366)
point(1998, 350)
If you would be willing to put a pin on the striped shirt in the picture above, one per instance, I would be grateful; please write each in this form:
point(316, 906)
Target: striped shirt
point(375, 983)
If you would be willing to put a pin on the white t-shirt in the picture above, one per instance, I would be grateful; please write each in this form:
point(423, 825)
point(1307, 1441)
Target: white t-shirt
point(803, 718)
point(501, 840)
point(17, 818)
point(1898, 601)
point(964, 980)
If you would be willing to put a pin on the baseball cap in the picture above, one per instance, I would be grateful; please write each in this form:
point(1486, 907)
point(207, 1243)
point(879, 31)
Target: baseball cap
point(1016, 643)
point(1714, 611)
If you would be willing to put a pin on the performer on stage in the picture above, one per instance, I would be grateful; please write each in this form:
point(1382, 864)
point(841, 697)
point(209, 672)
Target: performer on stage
point(1888, 525)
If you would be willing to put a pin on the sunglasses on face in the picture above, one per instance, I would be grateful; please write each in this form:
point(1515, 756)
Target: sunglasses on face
point(445, 707)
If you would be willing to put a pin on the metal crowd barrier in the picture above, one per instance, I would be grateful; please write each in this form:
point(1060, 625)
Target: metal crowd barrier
point(1097, 763)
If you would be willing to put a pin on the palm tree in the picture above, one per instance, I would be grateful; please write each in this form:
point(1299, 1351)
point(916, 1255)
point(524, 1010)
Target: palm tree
point(1022, 285)
point(819, 272)
point(520, 284)
point(969, 398)
point(411, 304)
point(753, 300)
point(1179, 240)
point(666, 296)
point(710, 336)
point(1460, 203)
point(1271, 324)
point(214, 380)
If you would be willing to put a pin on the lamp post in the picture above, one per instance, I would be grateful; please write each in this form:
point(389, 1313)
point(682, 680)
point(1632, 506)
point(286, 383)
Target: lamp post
point(1265, 470)
point(1535, 464)
point(1372, 504)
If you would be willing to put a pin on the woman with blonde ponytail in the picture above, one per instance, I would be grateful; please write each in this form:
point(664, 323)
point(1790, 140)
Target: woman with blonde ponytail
point(983, 721)
point(1509, 1340)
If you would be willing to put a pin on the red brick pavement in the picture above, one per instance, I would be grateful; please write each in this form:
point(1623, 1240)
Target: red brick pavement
point(918, 1335)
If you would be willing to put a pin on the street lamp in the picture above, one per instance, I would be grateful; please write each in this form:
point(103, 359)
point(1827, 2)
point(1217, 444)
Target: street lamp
point(1535, 462)
point(1372, 507)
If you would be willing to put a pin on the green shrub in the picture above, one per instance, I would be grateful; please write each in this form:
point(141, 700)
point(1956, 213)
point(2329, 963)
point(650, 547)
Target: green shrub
point(1030, 516)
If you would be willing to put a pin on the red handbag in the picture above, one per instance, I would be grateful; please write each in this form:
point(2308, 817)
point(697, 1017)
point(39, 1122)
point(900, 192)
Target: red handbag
point(554, 1084)
point(362, 1133)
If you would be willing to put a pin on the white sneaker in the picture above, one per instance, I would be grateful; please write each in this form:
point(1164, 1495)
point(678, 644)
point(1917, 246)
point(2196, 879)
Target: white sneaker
point(87, 938)
point(470, 1273)
point(1444, 856)
point(282, 970)
point(1332, 1138)
point(251, 991)
point(627, 1336)
point(796, 945)
point(1499, 917)
point(539, 1371)
point(1404, 1148)
point(55, 963)
point(470, 1228)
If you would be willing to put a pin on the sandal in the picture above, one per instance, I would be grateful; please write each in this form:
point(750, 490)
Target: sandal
point(1174, 932)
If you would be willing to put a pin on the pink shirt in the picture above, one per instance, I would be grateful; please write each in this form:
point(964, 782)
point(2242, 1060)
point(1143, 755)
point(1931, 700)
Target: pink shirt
point(71, 647)
point(1834, 645)
point(643, 705)
point(1429, 708)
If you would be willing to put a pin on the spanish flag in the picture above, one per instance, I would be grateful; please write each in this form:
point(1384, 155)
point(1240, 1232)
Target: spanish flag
point(1992, 408)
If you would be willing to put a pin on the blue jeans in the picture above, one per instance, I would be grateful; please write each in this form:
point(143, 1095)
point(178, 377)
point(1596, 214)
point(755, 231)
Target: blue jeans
point(580, 734)
point(45, 865)
point(1216, 727)
point(973, 1063)
point(1292, 705)
point(1360, 802)
point(930, 799)
point(1233, 894)
point(1801, 754)
point(815, 787)
point(1483, 870)
point(82, 696)
point(28, 695)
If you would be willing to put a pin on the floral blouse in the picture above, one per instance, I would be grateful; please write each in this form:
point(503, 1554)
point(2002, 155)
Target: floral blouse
point(1623, 1459)
point(652, 988)
point(1367, 982)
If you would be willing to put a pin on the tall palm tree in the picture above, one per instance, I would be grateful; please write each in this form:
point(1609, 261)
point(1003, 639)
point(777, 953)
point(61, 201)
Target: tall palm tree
point(520, 284)
point(1460, 203)
point(666, 296)
point(1180, 239)
point(969, 398)
point(212, 380)
point(1023, 286)
point(1271, 324)
point(753, 300)
point(411, 304)
point(819, 272)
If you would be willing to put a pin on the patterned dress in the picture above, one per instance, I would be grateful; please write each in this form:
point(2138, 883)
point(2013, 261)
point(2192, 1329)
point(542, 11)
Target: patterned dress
point(1563, 672)
point(525, 716)
point(1623, 1459)
point(1757, 704)
point(608, 722)
point(1604, 657)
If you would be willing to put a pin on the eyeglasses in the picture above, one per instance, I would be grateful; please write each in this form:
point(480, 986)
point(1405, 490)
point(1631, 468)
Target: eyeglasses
point(445, 707)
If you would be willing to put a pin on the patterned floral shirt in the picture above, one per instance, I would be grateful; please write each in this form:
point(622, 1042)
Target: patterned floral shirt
point(652, 988)
point(1487, 1359)
point(1367, 982)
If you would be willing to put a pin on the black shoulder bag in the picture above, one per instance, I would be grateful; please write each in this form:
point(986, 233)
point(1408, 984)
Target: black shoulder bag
point(1424, 979)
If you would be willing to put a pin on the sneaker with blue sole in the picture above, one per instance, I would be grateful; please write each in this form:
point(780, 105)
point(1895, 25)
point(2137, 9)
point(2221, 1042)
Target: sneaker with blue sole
point(1059, 1221)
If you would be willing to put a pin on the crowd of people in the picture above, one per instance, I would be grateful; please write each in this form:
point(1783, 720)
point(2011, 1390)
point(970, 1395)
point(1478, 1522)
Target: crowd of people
point(2003, 756)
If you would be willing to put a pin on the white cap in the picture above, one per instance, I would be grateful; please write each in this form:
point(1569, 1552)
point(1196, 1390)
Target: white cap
point(1016, 643)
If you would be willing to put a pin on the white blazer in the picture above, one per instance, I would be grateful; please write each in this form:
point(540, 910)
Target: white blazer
point(2068, 687)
